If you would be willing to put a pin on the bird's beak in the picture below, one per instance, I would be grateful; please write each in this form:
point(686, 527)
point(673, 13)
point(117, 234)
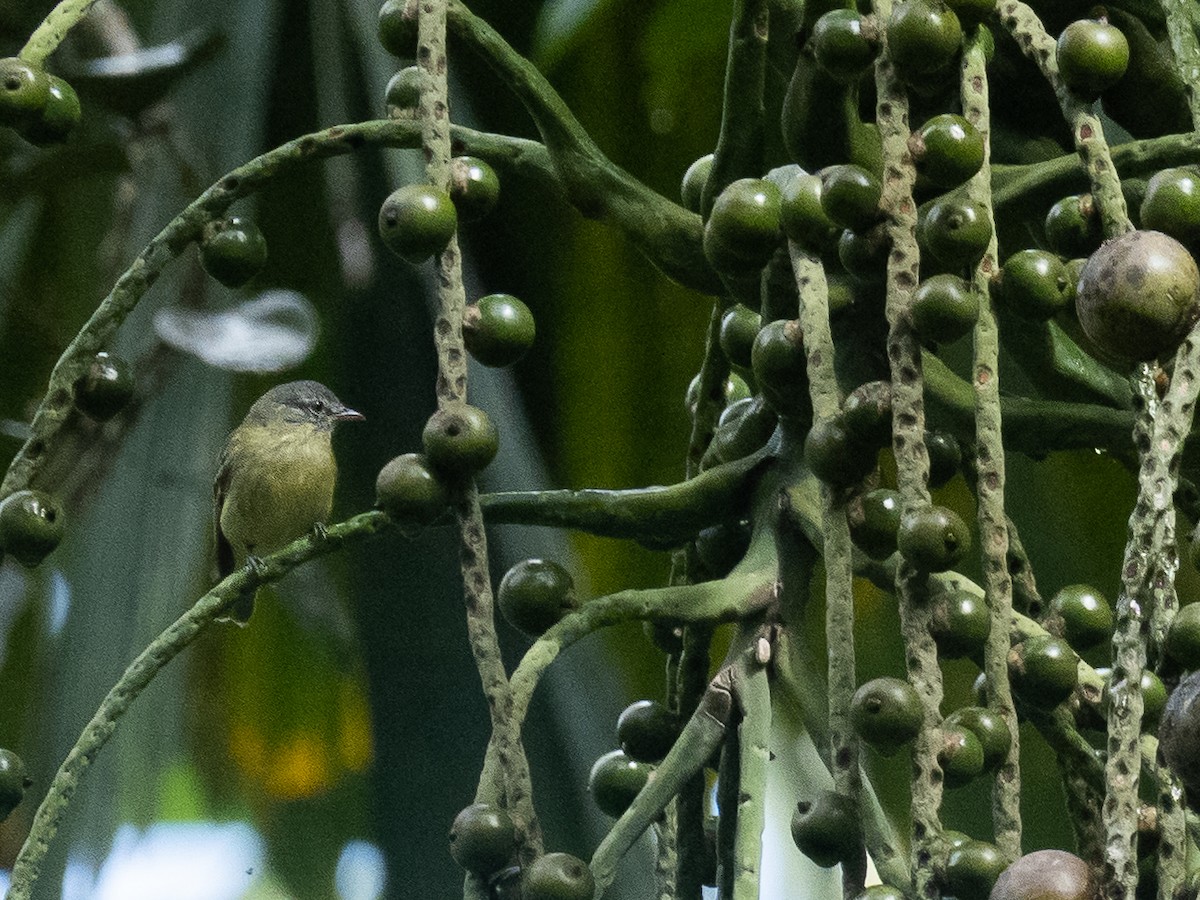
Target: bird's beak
point(349, 415)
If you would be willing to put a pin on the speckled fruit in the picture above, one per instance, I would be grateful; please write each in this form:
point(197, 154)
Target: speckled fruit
point(1046, 875)
point(1139, 295)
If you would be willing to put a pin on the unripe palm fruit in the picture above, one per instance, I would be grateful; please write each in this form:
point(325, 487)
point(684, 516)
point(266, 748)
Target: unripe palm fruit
point(945, 457)
point(482, 838)
point(972, 869)
point(14, 782)
point(844, 44)
point(692, 189)
point(557, 876)
point(1183, 637)
point(1154, 698)
point(1046, 875)
point(960, 624)
point(864, 255)
point(867, 412)
point(1044, 670)
point(403, 91)
point(417, 221)
point(850, 196)
point(944, 308)
point(1139, 295)
point(994, 736)
point(874, 531)
point(1073, 226)
point(886, 713)
point(1092, 55)
point(474, 187)
point(826, 829)
point(498, 330)
point(781, 367)
point(933, 538)
point(1086, 615)
point(1172, 204)
point(408, 490)
point(233, 250)
point(956, 231)
point(1179, 732)
point(1033, 284)
point(739, 327)
point(57, 118)
point(460, 440)
point(647, 730)
point(804, 218)
point(743, 228)
point(104, 388)
point(833, 455)
point(923, 36)
point(616, 780)
point(31, 525)
point(947, 150)
point(960, 756)
point(24, 91)
point(734, 389)
point(397, 32)
point(535, 594)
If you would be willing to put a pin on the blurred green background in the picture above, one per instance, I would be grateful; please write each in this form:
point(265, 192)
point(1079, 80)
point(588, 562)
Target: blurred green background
point(351, 709)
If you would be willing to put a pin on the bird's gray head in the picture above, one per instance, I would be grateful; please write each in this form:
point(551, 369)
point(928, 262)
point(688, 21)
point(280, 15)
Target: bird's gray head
point(302, 402)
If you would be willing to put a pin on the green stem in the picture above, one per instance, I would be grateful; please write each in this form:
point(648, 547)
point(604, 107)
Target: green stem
point(149, 663)
point(1029, 33)
point(912, 460)
point(53, 29)
point(752, 691)
point(989, 481)
point(691, 806)
point(710, 398)
point(1181, 27)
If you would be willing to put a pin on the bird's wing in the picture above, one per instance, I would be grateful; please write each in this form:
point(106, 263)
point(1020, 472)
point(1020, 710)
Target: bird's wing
point(225, 560)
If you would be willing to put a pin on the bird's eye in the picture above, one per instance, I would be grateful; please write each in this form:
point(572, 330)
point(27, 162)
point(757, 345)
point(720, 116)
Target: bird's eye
point(317, 406)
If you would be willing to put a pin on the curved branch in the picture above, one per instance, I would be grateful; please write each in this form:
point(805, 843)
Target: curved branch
point(48, 35)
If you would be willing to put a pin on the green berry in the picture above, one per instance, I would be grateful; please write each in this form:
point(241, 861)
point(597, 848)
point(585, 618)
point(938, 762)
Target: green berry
point(616, 780)
point(932, 538)
point(460, 440)
point(739, 327)
point(1073, 226)
point(1086, 615)
point(735, 389)
point(535, 594)
point(31, 526)
point(826, 829)
point(694, 179)
point(24, 91)
point(923, 37)
point(557, 876)
point(57, 118)
point(781, 367)
point(233, 250)
point(960, 625)
point(1172, 204)
point(408, 490)
point(972, 869)
point(994, 736)
point(843, 44)
point(14, 782)
point(397, 32)
point(864, 255)
point(1044, 670)
point(1034, 285)
point(1139, 295)
point(944, 308)
point(482, 838)
point(850, 196)
point(474, 187)
point(867, 412)
point(957, 232)
point(1154, 697)
point(948, 150)
point(743, 228)
point(749, 425)
point(1092, 56)
point(803, 216)
point(875, 531)
point(960, 756)
point(945, 457)
point(104, 388)
point(886, 713)
point(832, 454)
point(1183, 637)
point(1047, 875)
point(417, 221)
point(404, 90)
point(498, 330)
point(647, 730)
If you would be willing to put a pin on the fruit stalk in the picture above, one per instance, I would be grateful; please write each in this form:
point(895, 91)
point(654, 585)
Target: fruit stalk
point(50, 33)
point(1181, 27)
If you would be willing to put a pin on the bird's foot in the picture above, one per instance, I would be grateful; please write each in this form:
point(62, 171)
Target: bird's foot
point(255, 564)
point(320, 533)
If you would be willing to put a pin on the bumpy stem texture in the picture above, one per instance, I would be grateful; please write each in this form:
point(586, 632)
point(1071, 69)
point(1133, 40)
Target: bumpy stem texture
point(48, 35)
point(989, 464)
point(149, 663)
point(1029, 33)
point(1181, 26)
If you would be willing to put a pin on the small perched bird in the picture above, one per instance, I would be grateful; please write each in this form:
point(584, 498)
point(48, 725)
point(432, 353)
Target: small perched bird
point(276, 477)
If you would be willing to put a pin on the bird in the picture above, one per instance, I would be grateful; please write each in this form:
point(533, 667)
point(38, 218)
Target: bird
point(276, 477)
